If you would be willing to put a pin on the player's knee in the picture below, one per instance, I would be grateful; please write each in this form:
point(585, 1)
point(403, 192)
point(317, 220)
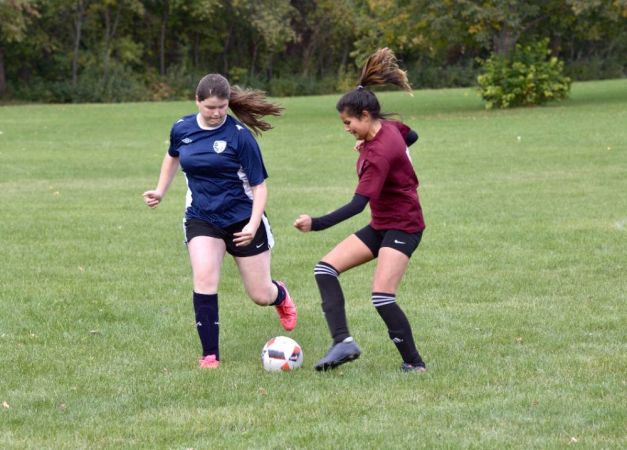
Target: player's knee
point(325, 269)
point(261, 296)
point(205, 284)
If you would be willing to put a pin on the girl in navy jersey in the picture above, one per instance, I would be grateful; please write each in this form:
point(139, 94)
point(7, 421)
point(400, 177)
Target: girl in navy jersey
point(225, 202)
point(387, 182)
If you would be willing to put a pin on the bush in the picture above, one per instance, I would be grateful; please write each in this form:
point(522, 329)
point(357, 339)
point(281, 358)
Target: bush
point(527, 76)
point(121, 85)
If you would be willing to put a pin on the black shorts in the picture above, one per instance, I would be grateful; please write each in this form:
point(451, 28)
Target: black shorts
point(404, 242)
point(262, 241)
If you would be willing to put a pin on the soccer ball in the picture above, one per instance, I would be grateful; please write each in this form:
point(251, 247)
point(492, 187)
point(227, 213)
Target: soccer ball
point(281, 354)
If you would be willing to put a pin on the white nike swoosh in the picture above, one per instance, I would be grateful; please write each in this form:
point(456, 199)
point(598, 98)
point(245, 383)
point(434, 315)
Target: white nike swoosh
point(260, 245)
point(398, 242)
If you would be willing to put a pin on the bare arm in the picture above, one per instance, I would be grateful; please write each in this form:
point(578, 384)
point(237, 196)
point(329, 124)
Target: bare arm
point(260, 198)
point(169, 166)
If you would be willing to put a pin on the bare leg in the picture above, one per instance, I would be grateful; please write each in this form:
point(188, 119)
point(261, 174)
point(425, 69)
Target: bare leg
point(206, 255)
point(347, 254)
point(255, 273)
point(391, 267)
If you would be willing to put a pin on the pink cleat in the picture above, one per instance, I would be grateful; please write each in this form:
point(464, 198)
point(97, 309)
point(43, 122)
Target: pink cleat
point(287, 310)
point(209, 362)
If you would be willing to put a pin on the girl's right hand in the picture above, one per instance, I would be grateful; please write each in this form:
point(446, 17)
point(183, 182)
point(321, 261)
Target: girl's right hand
point(303, 223)
point(152, 198)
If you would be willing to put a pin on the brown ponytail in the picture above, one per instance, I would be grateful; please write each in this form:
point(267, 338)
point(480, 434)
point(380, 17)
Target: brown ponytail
point(382, 68)
point(250, 105)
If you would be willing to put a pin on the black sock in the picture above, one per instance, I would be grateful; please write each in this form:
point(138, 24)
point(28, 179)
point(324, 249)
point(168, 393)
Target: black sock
point(332, 300)
point(207, 323)
point(280, 294)
point(399, 328)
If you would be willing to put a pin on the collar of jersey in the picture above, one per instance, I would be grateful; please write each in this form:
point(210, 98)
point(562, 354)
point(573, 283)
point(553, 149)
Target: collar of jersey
point(202, 127)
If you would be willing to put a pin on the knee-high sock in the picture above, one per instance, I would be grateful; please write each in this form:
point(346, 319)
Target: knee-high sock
point(332, 300)
point(207, 323)
point(399, 328)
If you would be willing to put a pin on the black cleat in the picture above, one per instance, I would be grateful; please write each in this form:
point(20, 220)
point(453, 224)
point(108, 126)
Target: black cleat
point(337, 355)
point(420, 367)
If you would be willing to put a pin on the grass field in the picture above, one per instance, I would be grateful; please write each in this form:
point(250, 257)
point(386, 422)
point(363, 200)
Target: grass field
point(517, 293)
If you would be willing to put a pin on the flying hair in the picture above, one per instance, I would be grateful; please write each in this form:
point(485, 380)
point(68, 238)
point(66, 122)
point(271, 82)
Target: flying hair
point(250, 106)
point(382, 68)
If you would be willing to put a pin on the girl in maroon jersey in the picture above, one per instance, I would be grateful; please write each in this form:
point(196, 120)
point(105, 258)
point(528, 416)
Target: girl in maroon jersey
point(387, 182)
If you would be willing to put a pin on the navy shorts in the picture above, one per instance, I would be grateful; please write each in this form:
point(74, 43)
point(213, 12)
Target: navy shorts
point(404, 242)
point(262, 241)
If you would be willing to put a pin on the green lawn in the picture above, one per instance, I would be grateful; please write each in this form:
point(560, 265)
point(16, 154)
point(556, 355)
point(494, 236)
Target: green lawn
point(517, 293)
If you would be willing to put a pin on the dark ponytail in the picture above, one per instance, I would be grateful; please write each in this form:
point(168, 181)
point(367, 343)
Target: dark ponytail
point(249, 105)
point(380, 69)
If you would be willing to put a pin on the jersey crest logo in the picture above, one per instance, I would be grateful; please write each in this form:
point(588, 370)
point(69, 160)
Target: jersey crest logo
point(219, 146)
point(186, 141)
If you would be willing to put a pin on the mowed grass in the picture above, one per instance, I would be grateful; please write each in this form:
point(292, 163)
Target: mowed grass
point(516, 294)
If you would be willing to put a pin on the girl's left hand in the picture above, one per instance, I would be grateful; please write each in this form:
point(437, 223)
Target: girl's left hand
point(245, 237)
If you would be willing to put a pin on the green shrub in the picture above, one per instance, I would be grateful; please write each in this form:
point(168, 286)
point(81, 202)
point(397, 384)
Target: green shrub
point(121, 85)
point(526, 76)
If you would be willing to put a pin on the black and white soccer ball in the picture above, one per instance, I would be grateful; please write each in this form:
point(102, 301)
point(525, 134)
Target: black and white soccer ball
point(281, 354)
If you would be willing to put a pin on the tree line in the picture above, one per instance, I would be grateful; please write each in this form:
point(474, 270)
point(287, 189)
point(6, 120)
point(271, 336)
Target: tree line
point(117, 50)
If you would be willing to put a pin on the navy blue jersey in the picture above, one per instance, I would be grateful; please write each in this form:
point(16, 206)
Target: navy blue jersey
point(220, 166)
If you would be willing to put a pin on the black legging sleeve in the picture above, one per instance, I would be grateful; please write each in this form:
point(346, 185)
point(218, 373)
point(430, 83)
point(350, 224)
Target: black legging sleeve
point(411, 137)
point(355, 206)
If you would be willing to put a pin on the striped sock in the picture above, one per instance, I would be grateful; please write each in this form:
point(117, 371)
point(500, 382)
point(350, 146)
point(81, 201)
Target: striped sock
point(332, 300)
point(398, 326)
